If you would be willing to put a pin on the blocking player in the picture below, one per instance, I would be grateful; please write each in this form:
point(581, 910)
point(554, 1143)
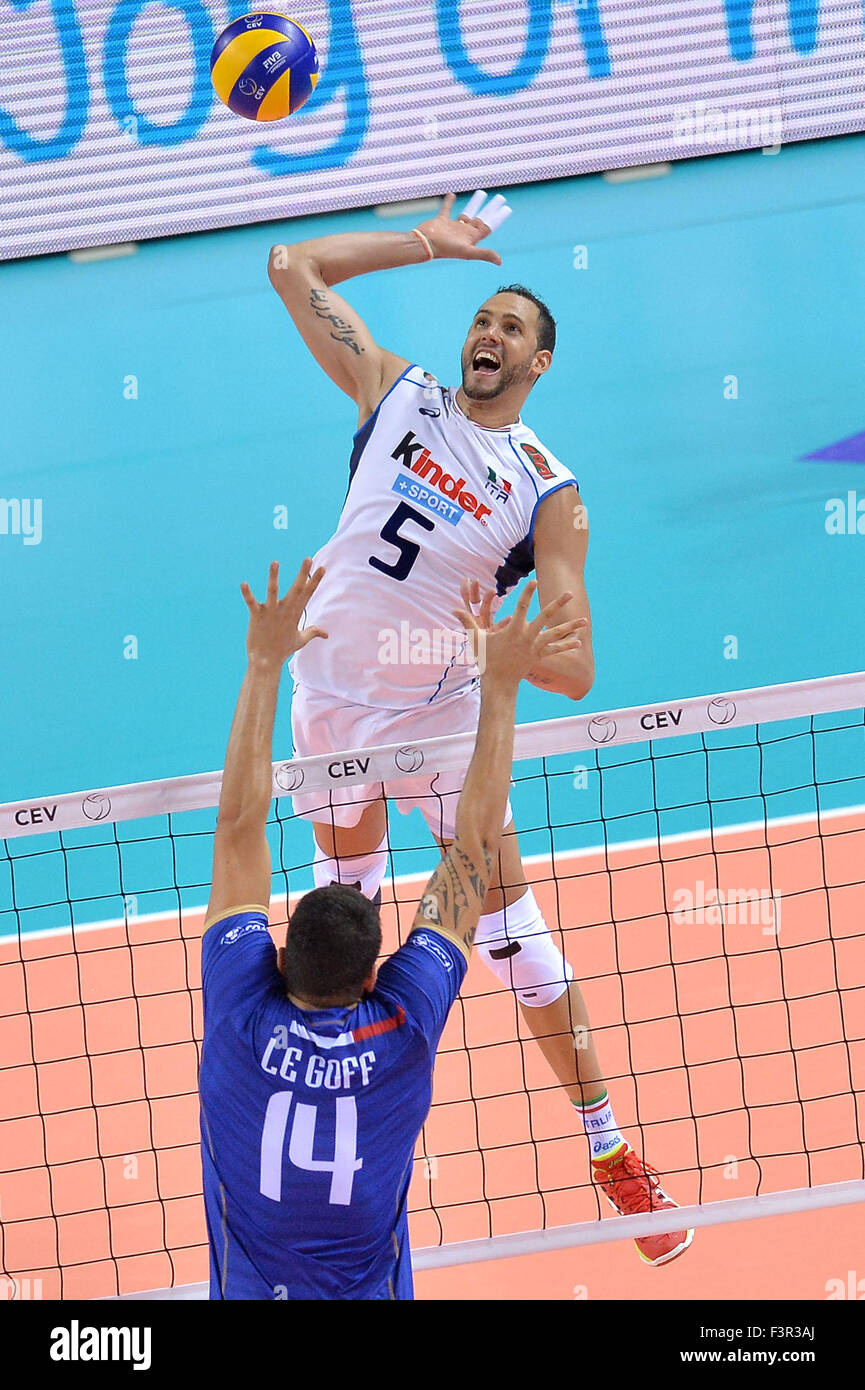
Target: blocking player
point(316, 1074)
point(450, 492)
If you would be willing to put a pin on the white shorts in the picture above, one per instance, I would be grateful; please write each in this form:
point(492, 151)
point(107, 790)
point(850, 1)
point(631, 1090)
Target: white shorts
point(322, 724)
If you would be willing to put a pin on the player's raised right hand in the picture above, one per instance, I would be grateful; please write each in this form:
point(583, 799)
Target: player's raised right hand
point(274, 634)
point(507, 651)
point(456, 238)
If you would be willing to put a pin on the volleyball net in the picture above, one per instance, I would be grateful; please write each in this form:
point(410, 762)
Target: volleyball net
point(701, 864)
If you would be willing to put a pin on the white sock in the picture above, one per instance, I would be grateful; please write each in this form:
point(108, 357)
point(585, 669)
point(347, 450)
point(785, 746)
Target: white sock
point(600, 1124)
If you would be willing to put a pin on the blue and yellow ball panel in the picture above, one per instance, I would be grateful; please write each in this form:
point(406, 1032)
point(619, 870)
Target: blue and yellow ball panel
point(264, 66)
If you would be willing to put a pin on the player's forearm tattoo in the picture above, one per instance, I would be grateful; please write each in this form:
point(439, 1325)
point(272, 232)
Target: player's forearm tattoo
point(478, 879)
point(458, 889)
point(452, 894)
point(345, 332)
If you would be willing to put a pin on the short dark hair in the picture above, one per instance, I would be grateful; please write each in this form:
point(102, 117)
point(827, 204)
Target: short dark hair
point(546, 322)
point(332, 943)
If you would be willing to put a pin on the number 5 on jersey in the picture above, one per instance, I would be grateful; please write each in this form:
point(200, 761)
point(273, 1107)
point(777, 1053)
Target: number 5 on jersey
point(408, 550)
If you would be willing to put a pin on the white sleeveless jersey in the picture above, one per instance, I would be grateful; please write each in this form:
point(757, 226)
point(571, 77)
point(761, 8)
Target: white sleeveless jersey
point(433, 499)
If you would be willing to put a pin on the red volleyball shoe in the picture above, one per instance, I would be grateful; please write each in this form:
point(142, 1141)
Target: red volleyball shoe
point(631, 1186)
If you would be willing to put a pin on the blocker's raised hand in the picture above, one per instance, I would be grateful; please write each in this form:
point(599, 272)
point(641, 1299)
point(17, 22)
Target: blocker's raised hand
point(273, 634)
point(508, 650)
point(456, 238)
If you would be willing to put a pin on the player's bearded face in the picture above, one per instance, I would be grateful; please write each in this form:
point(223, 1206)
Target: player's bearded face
point(490, 368)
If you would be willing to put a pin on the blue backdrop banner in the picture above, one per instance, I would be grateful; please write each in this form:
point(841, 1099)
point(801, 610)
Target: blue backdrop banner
point(110, 131)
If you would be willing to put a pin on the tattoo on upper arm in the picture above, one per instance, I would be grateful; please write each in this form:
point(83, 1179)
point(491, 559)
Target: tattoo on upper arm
point(320, 305)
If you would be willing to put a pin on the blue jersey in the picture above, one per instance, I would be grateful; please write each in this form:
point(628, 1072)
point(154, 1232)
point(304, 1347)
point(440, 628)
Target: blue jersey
point(309, 1119)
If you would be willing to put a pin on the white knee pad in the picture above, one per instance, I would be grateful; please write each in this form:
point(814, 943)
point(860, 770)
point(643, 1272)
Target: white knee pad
point(518, 947)
point(363, 871)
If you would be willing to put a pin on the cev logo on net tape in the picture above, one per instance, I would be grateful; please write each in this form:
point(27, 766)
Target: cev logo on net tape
point(353, 767)
point(603, 728)
point(699, 714)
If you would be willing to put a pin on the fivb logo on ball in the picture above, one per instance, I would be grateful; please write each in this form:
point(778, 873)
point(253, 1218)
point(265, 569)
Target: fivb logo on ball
point(264, 66)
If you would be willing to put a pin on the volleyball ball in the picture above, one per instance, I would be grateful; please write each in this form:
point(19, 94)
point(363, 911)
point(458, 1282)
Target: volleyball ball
point(264, 66)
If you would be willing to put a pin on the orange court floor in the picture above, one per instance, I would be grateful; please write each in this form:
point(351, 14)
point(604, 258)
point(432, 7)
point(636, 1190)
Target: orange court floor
point(734, 1052)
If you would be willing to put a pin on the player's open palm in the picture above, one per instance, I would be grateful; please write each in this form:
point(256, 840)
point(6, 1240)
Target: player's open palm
point(508, 650)
point(274, 633)
point(457, 238)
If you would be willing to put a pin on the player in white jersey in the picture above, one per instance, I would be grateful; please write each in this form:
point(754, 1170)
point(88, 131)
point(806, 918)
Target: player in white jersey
point(455, 501)
point(451, 496)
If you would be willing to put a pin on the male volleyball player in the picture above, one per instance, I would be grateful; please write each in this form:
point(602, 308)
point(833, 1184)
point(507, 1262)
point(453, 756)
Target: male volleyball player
point(316, 1075)
point(446, 488)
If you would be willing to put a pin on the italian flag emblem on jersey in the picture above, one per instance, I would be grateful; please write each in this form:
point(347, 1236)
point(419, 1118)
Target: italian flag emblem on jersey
point(499, 487)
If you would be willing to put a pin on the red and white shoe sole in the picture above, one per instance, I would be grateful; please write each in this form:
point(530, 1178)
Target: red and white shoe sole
point(671, 1255)
point(662, 1259)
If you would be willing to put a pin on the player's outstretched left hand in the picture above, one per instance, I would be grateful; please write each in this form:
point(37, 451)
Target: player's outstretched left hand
point(273, 634)
point(509, 650)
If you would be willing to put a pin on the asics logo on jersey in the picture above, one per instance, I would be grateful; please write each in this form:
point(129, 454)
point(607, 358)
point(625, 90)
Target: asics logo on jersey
point(418, 460)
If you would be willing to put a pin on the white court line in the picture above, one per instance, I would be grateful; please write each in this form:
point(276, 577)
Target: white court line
point(587, 852)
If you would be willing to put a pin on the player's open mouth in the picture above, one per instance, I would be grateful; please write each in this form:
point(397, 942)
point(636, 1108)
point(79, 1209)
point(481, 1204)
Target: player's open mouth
point(486, 363)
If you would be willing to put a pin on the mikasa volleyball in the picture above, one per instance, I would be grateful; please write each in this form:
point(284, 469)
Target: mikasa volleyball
point(264, 66)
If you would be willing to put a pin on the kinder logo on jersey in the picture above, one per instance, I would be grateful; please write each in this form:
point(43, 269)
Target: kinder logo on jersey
point(434, 947)
point(539, 463)
point(229, 937)
point(443, 494)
